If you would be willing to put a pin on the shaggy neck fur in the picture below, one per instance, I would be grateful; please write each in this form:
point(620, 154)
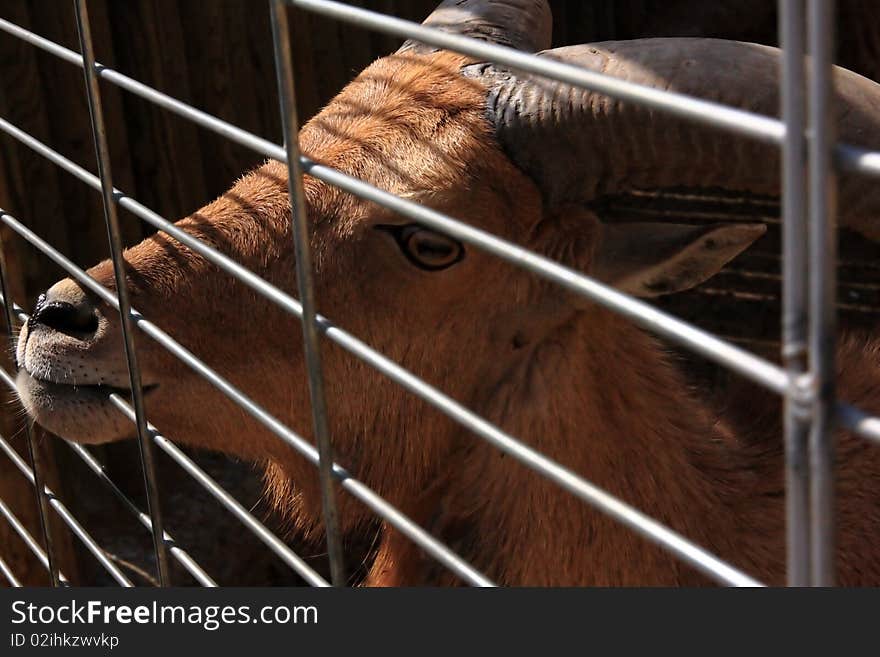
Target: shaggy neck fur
point(639, 436)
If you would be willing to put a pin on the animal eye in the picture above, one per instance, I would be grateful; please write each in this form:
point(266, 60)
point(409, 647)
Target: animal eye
point(425, 248)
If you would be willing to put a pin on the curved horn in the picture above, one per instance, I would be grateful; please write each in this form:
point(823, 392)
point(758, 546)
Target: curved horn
point(522, 24)
point(578, 145)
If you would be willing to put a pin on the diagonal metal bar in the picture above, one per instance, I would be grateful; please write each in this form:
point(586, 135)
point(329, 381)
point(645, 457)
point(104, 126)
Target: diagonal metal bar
point(859, 422)
point(32, 544)
point(9, 575)
point(111, 219)
point(64, 513)
point(794, 295)
point(823, 291)
point(306, 284)
point(33, 449)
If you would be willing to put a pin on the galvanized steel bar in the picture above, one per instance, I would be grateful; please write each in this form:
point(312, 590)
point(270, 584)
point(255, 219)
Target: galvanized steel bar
point(823, 291)
point(111, 218)
point(65, 514)
point(32, 447)
point(360, 491)
point(30, 541)
point(9, 575)
point(854, 159)
point(17, 310)
point(306, 285)
point(861, 423)
point(794, 294)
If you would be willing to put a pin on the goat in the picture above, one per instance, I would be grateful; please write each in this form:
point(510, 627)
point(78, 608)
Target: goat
point(522, 158)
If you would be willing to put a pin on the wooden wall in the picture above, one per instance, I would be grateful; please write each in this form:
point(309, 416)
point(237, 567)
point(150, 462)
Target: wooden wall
point(217, 56)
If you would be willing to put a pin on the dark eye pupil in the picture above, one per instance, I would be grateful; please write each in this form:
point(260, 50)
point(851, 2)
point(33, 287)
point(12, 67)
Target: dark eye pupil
point(425, 248)
point(428, 249)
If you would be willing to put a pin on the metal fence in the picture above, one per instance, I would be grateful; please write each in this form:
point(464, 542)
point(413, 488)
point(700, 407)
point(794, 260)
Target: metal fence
point(806, 379)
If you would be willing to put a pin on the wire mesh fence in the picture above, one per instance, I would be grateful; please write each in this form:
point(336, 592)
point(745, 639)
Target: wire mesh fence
point(805, 380)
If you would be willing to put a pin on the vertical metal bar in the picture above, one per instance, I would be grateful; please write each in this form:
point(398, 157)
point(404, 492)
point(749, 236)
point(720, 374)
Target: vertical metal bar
point(32, 446)
point(112, 220)
point(794, 295)
point(823, 288)
point(311, 338)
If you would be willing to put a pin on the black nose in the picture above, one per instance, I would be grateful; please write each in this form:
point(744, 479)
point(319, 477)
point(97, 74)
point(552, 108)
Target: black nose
point(74, 319)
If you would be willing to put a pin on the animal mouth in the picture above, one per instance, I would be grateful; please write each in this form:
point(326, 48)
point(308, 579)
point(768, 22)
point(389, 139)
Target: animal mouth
point(90, 390)
point(82, 412)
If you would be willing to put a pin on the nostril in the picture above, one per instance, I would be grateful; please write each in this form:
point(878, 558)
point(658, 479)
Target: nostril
point(66, 317)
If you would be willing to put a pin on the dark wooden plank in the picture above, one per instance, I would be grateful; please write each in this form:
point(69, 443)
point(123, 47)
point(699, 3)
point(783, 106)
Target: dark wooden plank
point(33, 186)
point(148, 43)
point(231, 75)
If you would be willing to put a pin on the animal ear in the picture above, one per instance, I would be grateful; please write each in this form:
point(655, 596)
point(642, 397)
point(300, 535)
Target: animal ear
point(650, 259)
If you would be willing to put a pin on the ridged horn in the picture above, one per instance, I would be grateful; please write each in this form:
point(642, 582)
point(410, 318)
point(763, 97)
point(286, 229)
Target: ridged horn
point(522, 24)
point(579, 145)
